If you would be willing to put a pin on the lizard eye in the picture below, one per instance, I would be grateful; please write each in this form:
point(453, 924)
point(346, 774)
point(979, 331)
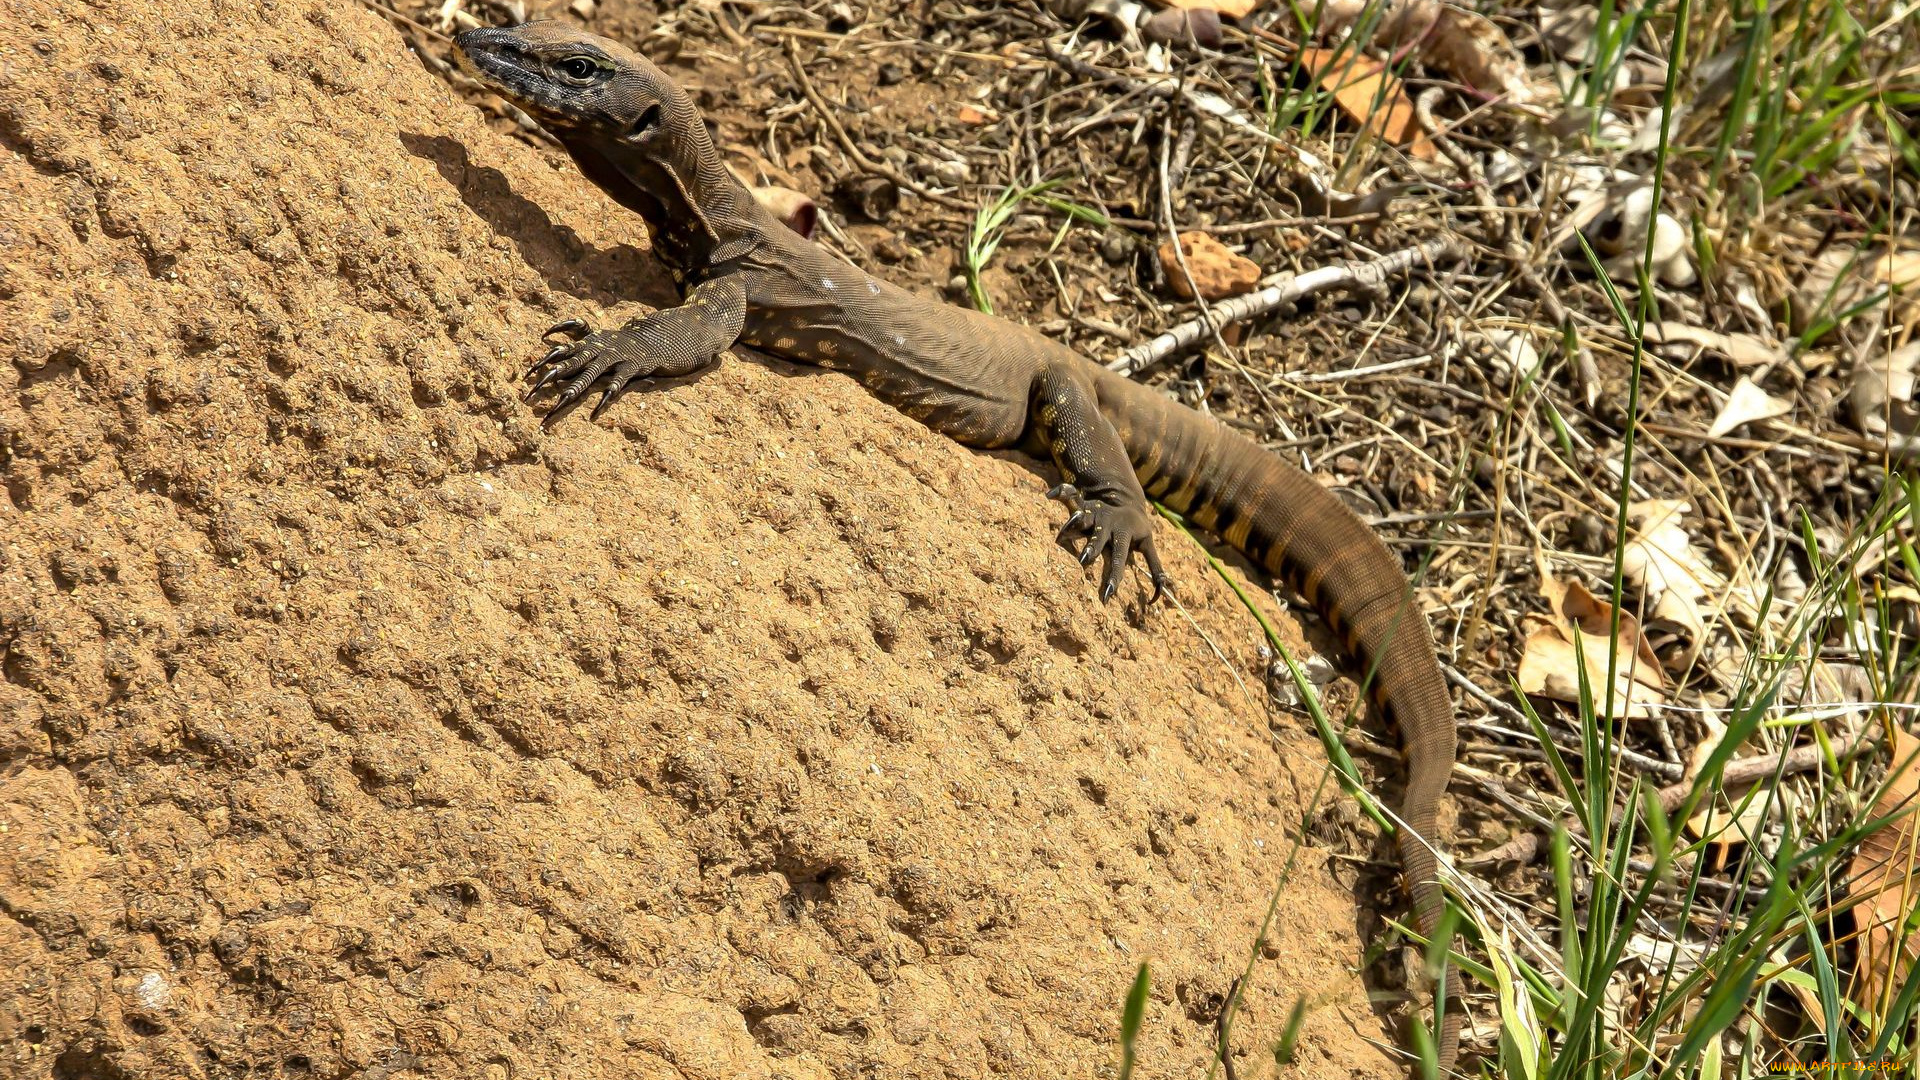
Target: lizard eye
point(578, 68)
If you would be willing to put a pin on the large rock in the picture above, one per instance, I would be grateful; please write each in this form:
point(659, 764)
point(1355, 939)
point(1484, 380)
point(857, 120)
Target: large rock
point(351, 725)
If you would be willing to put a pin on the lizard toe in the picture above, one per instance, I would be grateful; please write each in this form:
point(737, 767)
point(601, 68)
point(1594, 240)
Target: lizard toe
point(1162, 582)
point(569, 328)
point(625, 374)
point(1078, 522)
point(550, 368)
point(1097, 541)
point(1118, 551)
point(586, 368)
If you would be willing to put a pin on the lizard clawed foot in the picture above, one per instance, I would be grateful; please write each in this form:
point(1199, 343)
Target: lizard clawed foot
point(1115, 530)
point(577, 363)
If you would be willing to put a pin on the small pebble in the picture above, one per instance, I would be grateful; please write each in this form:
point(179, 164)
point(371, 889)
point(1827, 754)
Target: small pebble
point(1217, 272)
point(1182, 26)
point(1590, 534)
point(951, 172)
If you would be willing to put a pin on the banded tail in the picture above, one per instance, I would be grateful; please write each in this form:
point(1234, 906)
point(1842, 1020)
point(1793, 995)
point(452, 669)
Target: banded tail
point(1302, 534)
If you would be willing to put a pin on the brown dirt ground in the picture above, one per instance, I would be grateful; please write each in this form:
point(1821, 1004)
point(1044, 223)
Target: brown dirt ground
point(351, 725)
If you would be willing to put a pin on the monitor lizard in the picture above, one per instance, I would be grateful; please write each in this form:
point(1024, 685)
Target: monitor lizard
point(747, 279)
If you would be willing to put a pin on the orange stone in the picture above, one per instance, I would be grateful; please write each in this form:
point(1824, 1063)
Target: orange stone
point(1217, 272)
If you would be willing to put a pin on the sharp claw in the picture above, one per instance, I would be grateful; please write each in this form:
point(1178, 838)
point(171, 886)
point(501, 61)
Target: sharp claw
point(1096, 543)
point(1162, 586)
point(1076, 522)
point(1119, 556)
point(568, 398)
point(612, 395)
point(546, 378)
point(558, 352)
point(1063, 491)
point(574, 328)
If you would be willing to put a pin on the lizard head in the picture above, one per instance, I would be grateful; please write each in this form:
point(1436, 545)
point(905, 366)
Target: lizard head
point(575, 82)
point(633, 132)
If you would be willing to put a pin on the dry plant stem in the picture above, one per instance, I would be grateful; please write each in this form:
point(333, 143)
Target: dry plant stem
point(1205, 104)
point(1179, 249)
point(1238, 228)
point(1303, 378)
point(1182, 158)
point(1683, 869)
point(1524, 848)
point(877, 168)
point(453, 76)
point(1280, 290)
point(725, 25)
point(1565, 740)
point(1500, 225)
point(1220, 1031)
point(390, 13)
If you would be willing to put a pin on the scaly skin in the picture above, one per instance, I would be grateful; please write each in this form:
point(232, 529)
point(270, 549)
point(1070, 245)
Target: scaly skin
point(983, 381)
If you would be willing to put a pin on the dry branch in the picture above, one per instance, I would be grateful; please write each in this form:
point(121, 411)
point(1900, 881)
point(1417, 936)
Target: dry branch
point(1280, 290)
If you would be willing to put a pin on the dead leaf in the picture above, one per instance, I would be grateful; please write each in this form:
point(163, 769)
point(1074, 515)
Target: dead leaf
point(967, 114)
point(1745, 350)
point(1661, 561)
point(1182, 26)
point(1842, 278)
point(1550, 661)
point(1885, 878)
point(1569, 31)
point(1882, 397)
point(1746, 403)
point(1369, 93)
point(1467, 46)
point(1234, 9)
point(1735, 817)
point(1713, 733)
point(1471, 48)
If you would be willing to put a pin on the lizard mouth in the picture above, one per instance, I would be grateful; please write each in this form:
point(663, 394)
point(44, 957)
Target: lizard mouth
point(491, 56)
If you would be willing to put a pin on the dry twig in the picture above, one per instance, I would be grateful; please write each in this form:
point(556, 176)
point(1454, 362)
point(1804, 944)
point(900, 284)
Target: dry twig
point(1279, 290)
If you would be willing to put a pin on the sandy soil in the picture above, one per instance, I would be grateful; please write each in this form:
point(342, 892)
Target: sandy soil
point(352, 726)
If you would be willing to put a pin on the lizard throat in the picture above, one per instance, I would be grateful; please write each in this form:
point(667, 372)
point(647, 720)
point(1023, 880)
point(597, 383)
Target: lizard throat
point(691, 218)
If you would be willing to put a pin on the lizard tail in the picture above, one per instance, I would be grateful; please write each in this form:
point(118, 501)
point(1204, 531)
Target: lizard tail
point(1301, 533)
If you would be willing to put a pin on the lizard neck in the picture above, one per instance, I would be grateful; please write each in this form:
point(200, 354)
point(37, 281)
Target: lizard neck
point(699, 215)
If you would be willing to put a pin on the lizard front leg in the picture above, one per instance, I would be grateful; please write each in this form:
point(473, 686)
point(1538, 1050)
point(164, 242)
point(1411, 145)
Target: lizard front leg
point(1096, 478)
point(665, 343)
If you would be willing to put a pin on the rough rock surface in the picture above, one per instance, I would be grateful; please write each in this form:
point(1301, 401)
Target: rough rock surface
point(1216, 271)
point(352, 726)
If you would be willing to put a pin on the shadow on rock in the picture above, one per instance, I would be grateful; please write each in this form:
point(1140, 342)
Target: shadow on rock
point(554, 250)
